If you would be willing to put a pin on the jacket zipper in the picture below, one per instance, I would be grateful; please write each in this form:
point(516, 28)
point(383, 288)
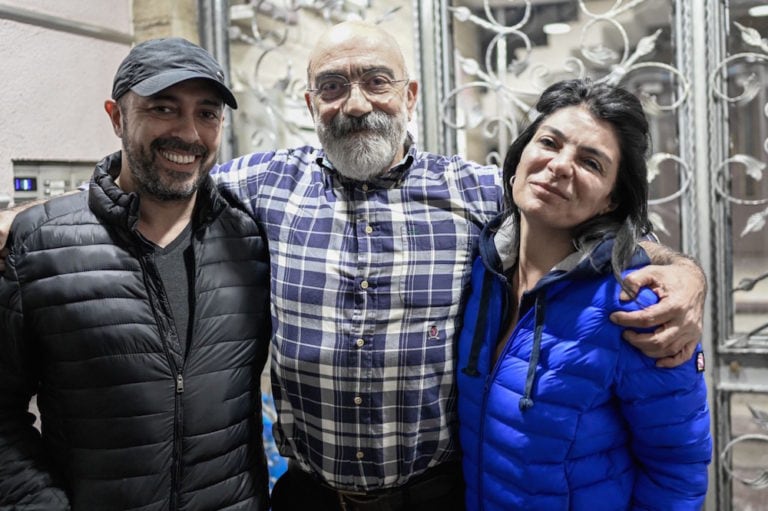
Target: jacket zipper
point(179, 382)
point(177, 441)
point(486, 388)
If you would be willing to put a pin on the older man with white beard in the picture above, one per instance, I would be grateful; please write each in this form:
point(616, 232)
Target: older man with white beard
point(371, 242)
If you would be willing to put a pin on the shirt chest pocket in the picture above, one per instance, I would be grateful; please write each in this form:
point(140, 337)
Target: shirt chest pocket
point(431, 262)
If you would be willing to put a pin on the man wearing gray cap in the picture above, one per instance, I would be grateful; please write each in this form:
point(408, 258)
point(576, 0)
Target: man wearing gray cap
point(137, 312)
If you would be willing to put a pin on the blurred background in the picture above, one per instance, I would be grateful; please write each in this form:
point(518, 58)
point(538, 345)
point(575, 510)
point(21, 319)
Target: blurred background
point(699, 66)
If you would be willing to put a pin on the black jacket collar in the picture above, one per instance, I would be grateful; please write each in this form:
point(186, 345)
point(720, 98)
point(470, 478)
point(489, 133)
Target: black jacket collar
point(121, 209)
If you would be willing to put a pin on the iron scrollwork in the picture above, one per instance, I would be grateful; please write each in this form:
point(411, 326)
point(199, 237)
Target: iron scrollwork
point(599, 61)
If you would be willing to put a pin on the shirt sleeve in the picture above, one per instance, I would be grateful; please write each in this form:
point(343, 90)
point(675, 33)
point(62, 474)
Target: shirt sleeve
point(238, 179)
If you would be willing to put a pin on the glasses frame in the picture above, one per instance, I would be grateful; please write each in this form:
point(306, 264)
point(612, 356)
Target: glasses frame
point(347, 85)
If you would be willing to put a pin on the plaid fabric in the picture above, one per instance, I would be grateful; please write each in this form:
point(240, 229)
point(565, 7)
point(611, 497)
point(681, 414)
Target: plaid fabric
point(367, 282)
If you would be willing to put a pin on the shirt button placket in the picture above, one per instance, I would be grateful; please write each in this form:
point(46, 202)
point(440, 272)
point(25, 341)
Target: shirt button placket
point(366, 236)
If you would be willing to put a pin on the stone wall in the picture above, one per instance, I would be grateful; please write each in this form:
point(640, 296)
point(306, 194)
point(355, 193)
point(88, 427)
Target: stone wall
point(153, 19)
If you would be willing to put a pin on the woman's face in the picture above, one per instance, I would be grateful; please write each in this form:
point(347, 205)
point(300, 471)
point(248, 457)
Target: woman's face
point(567, 171)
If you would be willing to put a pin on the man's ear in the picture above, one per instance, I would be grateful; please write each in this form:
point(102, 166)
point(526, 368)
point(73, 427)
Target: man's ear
point(308, 100)
point(115, 116)
point(412, 94)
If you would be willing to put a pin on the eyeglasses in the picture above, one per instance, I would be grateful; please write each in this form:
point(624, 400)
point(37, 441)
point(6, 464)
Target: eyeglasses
point(333, 87)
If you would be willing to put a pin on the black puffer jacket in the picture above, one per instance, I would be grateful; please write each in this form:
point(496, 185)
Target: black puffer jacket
point(129, 420)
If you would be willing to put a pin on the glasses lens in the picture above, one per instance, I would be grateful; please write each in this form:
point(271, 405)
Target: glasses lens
point(378, 84)
point(330, 89)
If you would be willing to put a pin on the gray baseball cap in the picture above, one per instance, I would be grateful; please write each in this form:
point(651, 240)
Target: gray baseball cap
point(157, 64)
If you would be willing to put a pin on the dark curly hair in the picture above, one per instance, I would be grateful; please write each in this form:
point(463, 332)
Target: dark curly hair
point(624, 112)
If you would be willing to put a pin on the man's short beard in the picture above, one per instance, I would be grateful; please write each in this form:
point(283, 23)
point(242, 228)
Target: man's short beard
point(362, 148)
point(142, 164)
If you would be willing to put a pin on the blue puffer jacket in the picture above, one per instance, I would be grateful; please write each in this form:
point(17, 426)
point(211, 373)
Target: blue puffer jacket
point(571, 417)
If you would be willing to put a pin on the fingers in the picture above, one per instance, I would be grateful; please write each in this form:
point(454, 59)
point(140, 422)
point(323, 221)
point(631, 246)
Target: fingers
point(657, 314)
point(679, 358)
point(661, 343)
point(642, 277)
point(624, 296)
point(635, 281)
point(6, 219)
point(670, 345)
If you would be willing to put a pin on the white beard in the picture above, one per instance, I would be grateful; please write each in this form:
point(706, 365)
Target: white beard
point(363, 155)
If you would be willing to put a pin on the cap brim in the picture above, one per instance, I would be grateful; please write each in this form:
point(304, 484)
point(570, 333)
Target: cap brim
point(155, 84)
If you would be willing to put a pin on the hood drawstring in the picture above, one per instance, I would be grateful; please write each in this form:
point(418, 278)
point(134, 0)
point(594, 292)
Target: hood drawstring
point(482, 320)
point(526, 402)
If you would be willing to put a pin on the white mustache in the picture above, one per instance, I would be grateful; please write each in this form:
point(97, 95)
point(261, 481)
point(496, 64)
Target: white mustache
point(343, 125)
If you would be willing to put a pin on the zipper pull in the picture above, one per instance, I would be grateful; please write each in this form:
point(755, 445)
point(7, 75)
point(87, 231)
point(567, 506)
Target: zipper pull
point(179, 384)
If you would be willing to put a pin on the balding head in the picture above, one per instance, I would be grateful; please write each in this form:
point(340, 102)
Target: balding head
point(353, 42)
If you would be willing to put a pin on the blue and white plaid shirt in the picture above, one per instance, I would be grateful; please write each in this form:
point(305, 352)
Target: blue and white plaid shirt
point(367, 281)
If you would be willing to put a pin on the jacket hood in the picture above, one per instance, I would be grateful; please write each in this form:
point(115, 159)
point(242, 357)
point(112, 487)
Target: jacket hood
point(120, 209)
point(499, 243)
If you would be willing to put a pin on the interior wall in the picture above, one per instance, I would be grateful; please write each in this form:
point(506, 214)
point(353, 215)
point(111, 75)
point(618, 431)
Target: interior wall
point(55, 84)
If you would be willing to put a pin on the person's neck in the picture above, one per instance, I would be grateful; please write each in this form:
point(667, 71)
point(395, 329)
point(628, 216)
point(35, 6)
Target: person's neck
point(161, 222)
point(540, 250)
point(403, 151)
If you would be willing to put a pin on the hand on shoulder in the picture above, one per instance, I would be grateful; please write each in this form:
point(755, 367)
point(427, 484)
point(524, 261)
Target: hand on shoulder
point(681, 288)
point(6, 219)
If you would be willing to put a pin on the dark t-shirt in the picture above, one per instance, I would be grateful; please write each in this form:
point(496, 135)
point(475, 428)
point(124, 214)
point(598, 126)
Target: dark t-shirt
point(176, 265)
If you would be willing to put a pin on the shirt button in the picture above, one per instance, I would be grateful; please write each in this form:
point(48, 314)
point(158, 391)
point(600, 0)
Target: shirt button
point(360, 455)
point(358, 400)
point(364, 284)
point(360, 343)
point(368, 229)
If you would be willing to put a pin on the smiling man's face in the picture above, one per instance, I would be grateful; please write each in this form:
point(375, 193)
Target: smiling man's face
point(170, 139)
